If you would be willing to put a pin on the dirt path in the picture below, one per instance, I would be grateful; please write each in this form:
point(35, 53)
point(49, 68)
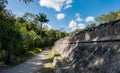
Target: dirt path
point(30, 66)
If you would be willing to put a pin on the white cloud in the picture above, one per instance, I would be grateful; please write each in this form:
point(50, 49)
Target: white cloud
point(69, 1)
point(67, 6)
point(72, 24)
point(60, 16)
point(56, 4)
point(72, 29)
point(90, 19)
point(81, 26)
point(47, 26)
point(78, 17)
point(77, 14)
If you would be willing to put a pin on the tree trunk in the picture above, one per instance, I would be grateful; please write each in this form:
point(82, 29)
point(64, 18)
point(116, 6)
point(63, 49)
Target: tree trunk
point(41, 29)
point(8, 58)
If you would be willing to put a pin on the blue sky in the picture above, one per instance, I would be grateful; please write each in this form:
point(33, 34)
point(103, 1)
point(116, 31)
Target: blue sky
point(67, 14)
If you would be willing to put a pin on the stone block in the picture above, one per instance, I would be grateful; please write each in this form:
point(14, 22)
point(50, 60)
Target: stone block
point(93, 50)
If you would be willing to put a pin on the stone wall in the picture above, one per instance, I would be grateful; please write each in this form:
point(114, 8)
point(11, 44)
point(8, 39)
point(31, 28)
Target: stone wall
point(94, 50)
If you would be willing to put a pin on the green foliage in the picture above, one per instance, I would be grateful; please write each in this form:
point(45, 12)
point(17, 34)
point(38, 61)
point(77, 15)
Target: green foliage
point(108, 17)
point(20, 36)
point(29, 16)
point(75, 31)
point(42, 18)
point(91, 25)
point(27, 55)
point(27, 1)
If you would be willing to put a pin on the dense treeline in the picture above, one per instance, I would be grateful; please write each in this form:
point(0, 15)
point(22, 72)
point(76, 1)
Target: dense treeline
point(19, 35)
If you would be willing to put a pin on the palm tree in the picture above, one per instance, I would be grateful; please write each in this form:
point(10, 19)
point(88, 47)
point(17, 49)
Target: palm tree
point(42, 18)
point(26, 1)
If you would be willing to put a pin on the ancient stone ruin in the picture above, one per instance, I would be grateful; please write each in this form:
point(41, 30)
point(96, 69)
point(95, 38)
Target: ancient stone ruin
point(93, 50)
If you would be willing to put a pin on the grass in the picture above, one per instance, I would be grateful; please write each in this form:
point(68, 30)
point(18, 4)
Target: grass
point(34, 51)
point(58, 56)
point(26, 56)
point(48, 60)
point(46, 70)
point(48, 64)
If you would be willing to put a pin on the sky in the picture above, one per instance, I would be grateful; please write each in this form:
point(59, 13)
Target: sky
point(66, 15)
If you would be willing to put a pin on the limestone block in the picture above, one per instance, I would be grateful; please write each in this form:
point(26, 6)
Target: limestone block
point(87, 36)
point(116, 37)
point(107, 38)
point(109, 29)
point(117, 28)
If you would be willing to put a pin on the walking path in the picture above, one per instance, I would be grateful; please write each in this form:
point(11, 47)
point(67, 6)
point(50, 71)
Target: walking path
point(30, 66)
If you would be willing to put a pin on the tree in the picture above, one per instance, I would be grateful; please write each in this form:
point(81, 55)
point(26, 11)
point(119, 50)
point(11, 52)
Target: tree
point(20, 20)
point(20, 35)
point(42, 18)
point(9, 36)
point(29, 16)
point(27, 1)
point(108, 17)
point(91, 25)
point(75, 31)
point(2, 8)
point(118, 14)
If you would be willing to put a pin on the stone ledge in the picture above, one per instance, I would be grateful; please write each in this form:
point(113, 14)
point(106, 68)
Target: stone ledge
point(97, 39)
point(103, 39)
point(61, 67)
